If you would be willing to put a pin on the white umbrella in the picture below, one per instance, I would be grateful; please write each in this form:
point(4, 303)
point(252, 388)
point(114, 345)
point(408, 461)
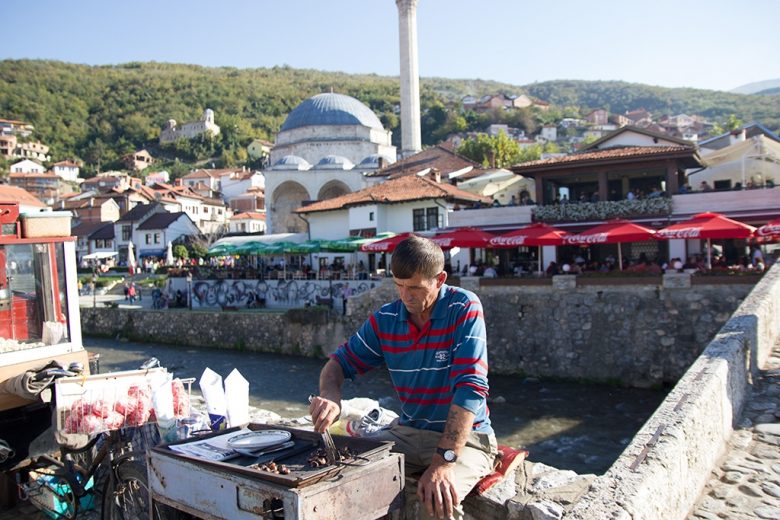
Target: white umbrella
point(169, 254)
point(130, 258)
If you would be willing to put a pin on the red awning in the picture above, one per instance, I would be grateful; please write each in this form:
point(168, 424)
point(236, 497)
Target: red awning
point(538, 234)
point(464, 237)
point(386, 245)
point(768, 232)
point(612, 232)
point(707, 226)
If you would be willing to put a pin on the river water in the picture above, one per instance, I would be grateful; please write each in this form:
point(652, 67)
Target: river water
point(566, 425)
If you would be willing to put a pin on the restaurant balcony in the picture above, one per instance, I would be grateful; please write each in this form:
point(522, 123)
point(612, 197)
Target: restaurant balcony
point(761, 204)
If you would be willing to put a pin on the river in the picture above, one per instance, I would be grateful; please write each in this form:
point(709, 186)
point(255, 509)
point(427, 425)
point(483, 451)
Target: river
point(566, 425)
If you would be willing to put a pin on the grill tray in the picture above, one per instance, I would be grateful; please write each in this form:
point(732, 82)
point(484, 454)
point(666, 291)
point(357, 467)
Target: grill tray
point(296, 459)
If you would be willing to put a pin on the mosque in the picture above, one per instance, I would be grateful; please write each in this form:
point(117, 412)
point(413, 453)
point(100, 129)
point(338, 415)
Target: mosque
point(324, 149)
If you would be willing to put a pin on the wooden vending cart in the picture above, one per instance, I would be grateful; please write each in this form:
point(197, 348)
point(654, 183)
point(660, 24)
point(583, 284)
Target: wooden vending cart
point(39, 314)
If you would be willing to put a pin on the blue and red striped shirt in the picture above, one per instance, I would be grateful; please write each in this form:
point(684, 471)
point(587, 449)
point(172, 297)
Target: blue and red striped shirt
point(443, 364)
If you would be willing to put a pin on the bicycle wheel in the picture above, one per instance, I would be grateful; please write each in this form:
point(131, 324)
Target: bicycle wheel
point(127, 496)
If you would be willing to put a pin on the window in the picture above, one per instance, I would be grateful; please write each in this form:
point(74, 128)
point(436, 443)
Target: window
point(424, 219)
point(157, 238)
point(370, 216)
point(126, 232)
point(148, 238)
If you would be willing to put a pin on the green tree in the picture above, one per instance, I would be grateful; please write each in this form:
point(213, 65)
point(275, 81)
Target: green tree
point(729, 125)
point(498, 151)
point(180, 251)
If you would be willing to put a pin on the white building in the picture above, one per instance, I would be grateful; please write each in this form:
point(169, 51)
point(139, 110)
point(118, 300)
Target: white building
point(27, 166)
point(324, 149)
point(247, 222)
point(67, 170)
point(171, 132)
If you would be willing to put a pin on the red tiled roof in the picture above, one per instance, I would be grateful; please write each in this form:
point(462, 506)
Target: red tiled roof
point(402, 189)
point(440, 157)
point(616, 153)
point(23, 175)
point(70, 164)
point(249, 215)
point(16, 194)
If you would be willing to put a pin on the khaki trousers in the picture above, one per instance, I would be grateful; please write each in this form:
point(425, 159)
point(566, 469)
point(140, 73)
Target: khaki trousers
point(475, 460)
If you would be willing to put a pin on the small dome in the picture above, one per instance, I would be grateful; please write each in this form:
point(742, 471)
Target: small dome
point(335, 162)
point(331, 109)
point(372, 161)
point(292, 162)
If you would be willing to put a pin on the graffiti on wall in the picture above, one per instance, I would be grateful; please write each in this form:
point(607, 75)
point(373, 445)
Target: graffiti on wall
point(250, 294)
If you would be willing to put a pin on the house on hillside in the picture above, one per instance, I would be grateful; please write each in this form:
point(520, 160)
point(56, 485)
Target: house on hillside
point(125, 227)
point(67, 170)
point(449, 164)
point(101, 208)
point(259, 149)
point(138, 161)
point(597, 117)
point(15, 128)
point(27, 166)
point(46, 186)
point(252, 200)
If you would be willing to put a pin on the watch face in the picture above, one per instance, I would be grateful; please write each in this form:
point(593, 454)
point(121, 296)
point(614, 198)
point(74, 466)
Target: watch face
point(449, 456)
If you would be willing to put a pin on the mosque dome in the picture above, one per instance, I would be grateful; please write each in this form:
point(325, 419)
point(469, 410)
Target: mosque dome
point(292, 162)
point(335, 162)
point(331, 109)
point(372, 161)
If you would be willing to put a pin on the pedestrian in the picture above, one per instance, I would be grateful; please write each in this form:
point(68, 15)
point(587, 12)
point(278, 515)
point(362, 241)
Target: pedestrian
point(131, 292)
point(433, 341)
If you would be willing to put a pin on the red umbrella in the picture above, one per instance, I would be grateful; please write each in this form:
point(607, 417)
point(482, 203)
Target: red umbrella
point(613, 232)
point(769, 232)
point(464, 237)
point(538, 234)
point(386, 245)
point(709, 226)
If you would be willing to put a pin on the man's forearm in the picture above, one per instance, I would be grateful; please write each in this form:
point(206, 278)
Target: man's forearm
point(456, 431)
point(331, 381)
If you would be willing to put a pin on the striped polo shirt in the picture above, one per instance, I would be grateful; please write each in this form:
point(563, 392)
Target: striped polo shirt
point(445, 363)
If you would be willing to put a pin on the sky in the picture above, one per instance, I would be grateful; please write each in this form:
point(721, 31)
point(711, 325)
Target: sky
point(712, 44)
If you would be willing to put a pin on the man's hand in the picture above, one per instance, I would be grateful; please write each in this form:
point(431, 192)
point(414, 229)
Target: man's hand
point(436, 490)
point(324, 412)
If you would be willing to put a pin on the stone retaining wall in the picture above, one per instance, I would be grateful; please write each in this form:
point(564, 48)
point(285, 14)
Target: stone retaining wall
point(663, 470)
point(640, 335)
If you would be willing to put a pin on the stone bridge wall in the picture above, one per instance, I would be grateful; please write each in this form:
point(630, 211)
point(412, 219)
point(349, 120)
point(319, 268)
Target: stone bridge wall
point(663, 470)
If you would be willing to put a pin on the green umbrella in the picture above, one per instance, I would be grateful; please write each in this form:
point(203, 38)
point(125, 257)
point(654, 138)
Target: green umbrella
point(343, 245)
point(221, 250)
point(310, 246)
point(277, 248)
point(381, 236)
point(252, 247)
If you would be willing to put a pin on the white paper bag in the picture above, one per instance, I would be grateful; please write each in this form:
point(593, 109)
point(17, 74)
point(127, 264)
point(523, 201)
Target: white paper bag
point(237, 397)
point(214, 394)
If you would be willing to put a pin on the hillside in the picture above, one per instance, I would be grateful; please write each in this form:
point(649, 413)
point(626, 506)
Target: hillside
point(757, 87)
point(99, 113)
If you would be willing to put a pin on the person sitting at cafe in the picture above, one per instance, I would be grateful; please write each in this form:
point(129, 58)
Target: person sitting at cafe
point(447, 436)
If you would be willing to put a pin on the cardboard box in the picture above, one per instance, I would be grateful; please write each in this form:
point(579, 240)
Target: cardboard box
point(46, 224)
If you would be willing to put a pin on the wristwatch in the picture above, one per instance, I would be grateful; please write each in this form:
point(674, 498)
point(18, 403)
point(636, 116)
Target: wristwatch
point(447, 455)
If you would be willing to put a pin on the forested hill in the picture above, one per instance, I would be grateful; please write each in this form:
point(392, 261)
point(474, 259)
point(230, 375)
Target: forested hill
point(99, 113)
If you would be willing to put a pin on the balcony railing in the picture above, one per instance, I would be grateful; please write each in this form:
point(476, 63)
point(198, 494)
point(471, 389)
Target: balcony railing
point(582, 211)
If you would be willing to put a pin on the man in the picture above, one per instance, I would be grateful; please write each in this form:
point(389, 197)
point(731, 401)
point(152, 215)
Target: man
point(433, 341)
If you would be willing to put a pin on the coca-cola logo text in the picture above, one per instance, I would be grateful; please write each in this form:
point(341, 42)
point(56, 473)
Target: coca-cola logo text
point(518, 240)
point(680, 233)
point(767, 230)
point(597, 238)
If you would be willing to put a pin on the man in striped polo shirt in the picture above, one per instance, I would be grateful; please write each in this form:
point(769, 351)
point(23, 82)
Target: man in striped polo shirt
point(433, 341)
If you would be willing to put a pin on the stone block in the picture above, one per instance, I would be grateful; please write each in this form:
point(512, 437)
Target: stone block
point(564, 282)
point(676, 281)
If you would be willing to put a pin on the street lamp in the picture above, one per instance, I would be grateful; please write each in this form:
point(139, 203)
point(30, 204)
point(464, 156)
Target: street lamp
point(94, 287)
point(189, 290)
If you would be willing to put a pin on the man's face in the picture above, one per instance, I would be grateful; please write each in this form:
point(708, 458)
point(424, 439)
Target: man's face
point(419, 293)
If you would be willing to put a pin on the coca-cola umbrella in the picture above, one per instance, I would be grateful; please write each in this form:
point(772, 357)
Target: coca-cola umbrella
point(769, 232)
point(538, 234)
point(613, 232)
point(386, 245)
point(707, 226)
point(464, 237)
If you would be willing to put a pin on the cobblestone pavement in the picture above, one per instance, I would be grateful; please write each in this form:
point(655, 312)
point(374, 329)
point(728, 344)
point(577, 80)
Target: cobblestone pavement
point(746, 485)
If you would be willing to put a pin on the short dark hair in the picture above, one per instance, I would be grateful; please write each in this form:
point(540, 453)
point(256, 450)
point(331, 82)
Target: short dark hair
point(417, 255)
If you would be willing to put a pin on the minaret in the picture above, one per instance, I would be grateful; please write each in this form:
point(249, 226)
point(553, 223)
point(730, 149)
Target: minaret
point(411, 142)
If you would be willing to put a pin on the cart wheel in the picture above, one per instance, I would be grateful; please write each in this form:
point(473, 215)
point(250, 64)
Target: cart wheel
point(127, 496)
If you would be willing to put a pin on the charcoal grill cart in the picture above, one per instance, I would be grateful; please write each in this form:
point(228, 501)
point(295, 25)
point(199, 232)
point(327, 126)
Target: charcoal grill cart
point(367, 485)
